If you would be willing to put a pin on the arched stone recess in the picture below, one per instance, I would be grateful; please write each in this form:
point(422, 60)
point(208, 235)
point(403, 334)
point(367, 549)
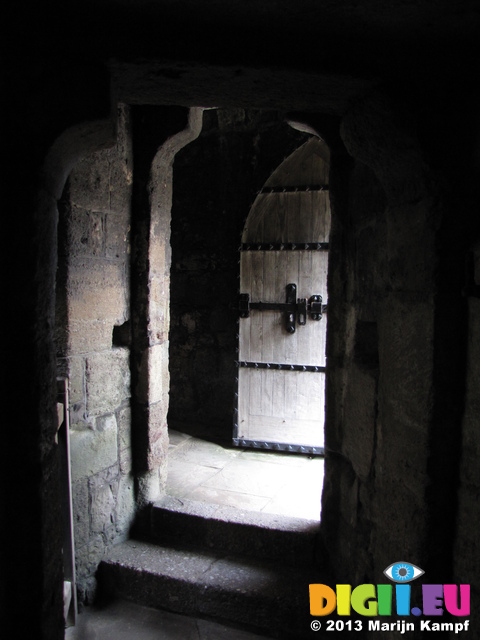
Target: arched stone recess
point(45, 548)
point(168, 129)
point(113, 320)
point(92, 301)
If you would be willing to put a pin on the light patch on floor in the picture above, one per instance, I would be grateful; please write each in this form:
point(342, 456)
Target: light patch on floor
point(265, 481)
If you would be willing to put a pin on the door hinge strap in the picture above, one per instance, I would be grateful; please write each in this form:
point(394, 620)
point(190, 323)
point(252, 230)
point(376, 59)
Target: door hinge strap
point(274, 366)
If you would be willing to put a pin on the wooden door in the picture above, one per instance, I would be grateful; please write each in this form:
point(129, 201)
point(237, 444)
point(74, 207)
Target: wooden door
point(281, 374)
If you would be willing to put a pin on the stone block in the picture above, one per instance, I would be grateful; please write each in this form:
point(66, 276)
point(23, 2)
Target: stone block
point(89, 556)
point(80, 512)
point(76, 379)
point(124, 421)
point(154, 377)
point(159, 247)
point(85, 336)
point(78, 417)
point(148, 488)
point(125, 440)
point(125, 508)
point(107, 380)
point(159, 315)
point(93, 450)
point(86, 233)
point(159, 377)
point(117, 229)
point(157, 435)
point(121, 165)
point(90, 182)
point(150, 437)
point(86, 591)
point(125, 460)
point(102, 504)
point(97, 290)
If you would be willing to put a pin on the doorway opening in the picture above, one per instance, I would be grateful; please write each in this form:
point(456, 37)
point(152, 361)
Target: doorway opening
point(282, 331)
point(248, 171)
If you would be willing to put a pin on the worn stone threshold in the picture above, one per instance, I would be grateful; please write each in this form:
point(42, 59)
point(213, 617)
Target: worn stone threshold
point(236, 515)
point(231, 530)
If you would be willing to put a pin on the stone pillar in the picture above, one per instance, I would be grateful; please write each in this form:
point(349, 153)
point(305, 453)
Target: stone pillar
point(158, 133)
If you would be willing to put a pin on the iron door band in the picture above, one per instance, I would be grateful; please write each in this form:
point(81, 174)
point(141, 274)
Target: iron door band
point(274, 446)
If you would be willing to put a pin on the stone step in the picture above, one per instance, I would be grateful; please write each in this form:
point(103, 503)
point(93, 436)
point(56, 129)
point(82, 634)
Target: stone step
point(267, 597)
point(234, 531)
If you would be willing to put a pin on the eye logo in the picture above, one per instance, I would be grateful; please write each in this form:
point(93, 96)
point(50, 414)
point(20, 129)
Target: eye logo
point(403, 572)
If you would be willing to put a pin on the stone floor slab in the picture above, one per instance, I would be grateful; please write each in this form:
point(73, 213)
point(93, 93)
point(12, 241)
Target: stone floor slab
point(122, 620)
point(264, 481)
point(185, 477)
point(229, 498)
point(247, 476)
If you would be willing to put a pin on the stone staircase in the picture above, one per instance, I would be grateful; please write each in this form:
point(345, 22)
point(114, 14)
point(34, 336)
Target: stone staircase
point(243, 568)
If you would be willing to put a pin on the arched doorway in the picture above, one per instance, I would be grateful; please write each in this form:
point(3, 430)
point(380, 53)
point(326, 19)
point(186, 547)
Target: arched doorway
point(216, 180)
point(282, 327)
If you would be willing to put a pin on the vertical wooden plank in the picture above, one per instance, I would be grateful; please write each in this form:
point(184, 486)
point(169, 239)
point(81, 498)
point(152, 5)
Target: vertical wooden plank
point(320, 261)
point(267, 393)
point(291, 396)
point(328, 215)
point(292, 277)
point(303, 214)
point(243, 403)
point(256, 319)
point(270, 329)
point(255, 407)
point(279, 395)
point(280, 335)
point(269, 295)
point(305, 343)
point(274, 214)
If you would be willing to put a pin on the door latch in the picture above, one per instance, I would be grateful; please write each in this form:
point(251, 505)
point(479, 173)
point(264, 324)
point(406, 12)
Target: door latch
point(294, 309)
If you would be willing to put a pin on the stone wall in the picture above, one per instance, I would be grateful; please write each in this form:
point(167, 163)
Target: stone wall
point(93, 348)
point(381, 347)
point(402, 387)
